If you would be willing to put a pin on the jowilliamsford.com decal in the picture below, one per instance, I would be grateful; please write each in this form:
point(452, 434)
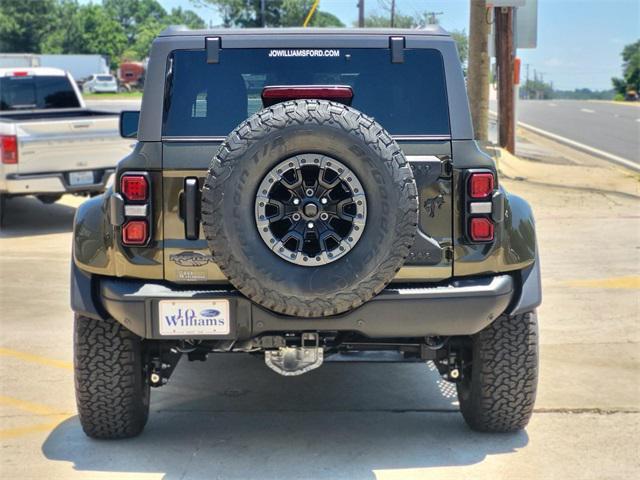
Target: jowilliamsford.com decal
point(304, 53)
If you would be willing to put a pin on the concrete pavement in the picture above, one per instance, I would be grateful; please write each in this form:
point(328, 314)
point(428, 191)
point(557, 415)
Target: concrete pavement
point(231, 417)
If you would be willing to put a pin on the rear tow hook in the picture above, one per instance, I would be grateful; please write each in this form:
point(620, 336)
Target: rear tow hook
point(290, 361)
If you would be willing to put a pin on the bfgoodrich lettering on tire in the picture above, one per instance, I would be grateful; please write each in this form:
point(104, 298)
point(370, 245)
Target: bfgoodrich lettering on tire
point(358, 247)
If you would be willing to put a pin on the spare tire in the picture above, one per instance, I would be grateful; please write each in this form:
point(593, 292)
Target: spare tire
point(309, 208)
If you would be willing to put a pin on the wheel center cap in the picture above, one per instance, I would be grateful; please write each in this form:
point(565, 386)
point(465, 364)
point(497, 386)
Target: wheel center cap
point(310, 210)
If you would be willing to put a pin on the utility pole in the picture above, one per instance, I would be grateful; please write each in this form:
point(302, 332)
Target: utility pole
point(432, 17)
point(478, 70)
point(505, 59)
point(361, 13)
point(263, 13)
point(393, 12)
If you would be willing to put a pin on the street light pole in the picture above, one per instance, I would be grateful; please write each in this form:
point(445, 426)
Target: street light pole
point(361, 13)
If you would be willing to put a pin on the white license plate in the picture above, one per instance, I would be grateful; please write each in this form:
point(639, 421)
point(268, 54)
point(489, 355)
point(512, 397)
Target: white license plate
point(80, 178)
point(194, 317)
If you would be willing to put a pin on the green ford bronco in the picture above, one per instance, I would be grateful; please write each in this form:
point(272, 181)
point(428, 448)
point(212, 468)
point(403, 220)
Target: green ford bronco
point(304, 196)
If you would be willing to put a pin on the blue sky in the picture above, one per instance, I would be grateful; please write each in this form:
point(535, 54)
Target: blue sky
point(579, 41)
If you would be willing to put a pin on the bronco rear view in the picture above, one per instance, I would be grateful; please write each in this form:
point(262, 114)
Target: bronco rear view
point(306, 196)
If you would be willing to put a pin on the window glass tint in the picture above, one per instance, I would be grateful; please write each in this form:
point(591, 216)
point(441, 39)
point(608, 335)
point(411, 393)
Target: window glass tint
point(105, 78)
point(23, 93)
point(212, 99)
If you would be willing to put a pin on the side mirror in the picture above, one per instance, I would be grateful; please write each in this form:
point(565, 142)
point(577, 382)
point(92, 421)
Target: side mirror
point(129, 123)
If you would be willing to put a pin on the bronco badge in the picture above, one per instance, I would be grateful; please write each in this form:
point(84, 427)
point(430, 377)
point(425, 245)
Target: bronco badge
point(191, 259)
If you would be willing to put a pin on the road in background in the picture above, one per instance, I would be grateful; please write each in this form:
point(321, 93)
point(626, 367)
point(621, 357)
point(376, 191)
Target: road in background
point(611, 127)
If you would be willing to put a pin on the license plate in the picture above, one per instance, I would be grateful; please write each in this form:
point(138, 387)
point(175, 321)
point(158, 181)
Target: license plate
point(80, 178)
point(194, 317)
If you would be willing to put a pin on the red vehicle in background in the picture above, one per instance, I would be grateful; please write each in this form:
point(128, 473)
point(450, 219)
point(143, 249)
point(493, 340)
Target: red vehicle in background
point(131, 75)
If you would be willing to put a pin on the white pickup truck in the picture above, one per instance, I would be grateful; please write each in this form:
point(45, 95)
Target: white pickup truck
point(50, 143)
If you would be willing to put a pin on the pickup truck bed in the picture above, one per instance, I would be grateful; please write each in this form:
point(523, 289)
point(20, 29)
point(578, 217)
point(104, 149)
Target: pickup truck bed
point(51, 143)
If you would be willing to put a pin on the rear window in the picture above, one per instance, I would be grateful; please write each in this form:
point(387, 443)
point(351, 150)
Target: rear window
point(210, 100)
point(37, 92)
point(105, 78)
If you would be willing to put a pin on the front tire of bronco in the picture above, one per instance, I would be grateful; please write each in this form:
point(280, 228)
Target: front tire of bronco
point(499, 391)
point(112, 391)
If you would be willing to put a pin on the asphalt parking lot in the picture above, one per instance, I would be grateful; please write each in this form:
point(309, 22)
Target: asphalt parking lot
point(231, 417)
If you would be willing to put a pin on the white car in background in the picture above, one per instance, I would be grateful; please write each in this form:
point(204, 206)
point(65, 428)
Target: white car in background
point(100, 83)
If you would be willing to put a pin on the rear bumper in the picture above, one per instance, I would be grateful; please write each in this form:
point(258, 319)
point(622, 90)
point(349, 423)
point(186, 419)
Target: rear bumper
point(460, 307)
point(55, 182)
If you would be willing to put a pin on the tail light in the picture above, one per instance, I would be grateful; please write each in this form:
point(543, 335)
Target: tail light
point(480, 187)
point(9, 149)
point(336, 93)
point(135, 188)
point(135, 232)
point(481, 229)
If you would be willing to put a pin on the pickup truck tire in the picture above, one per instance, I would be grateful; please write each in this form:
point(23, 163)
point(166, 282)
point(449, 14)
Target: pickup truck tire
point(112, 392)
point(500, 393)
point(318, 128)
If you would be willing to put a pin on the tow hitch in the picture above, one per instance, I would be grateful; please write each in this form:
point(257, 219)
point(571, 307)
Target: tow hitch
point(296, 360)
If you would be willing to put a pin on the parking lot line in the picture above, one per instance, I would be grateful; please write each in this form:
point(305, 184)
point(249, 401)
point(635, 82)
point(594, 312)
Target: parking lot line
point(39, 427)
point(631, 283)
point(35, 408)
point(30, 357)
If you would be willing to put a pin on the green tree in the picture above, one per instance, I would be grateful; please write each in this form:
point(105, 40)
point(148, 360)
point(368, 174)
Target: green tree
point(68, 32)
point(103, 34)
point(143, 20)
point(418, 20)
point(630, 70)
point(294, 12)
point(24, 24)
point(131, 14)
point(278, 13)
point(178, 16)
point(462, 41)
point(85, 29)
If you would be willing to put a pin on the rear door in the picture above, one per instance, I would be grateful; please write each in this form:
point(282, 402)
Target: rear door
point(206, 101)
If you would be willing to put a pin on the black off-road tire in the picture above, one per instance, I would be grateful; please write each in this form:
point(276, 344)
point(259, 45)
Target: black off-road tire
point(112, 391)
point(500, 392)
point(281, 132)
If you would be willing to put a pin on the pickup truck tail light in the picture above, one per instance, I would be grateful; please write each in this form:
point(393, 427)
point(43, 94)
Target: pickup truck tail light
point(9, 149)
point(480, 188)
point(135, 208)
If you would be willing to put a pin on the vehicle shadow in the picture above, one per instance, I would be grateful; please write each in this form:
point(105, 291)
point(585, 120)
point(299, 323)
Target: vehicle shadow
point(231, 418)
point(28, 216)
